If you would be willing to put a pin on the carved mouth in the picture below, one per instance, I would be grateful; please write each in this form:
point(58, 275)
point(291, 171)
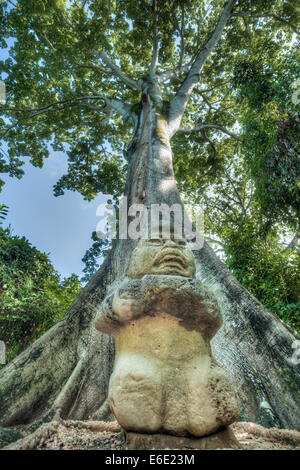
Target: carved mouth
point(171, 258)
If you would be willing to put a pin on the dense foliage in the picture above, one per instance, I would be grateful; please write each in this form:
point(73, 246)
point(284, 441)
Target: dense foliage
point(33, 297)
point(262, 255)
point(271, 129)
point(269, 273)
point(94, 256)
point(58, 83)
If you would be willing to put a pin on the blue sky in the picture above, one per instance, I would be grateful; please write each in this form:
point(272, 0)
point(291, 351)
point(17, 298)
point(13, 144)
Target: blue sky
point(60, 226)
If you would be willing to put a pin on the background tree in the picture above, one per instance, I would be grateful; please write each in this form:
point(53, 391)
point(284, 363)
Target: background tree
point(252, 245)
point(3, 211)
point(111, 83)
point(94, 255)
point(271, 128)
point(32, 296)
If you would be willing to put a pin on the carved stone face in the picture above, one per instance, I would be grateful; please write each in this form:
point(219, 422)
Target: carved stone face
point(161, 256)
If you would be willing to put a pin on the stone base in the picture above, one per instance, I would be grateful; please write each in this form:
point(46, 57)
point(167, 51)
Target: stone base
point(223, 439)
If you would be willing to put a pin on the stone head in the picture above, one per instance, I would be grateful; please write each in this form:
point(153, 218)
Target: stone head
point(161, 256)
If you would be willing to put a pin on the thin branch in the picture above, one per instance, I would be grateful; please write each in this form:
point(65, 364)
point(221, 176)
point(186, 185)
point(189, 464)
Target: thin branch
point(84, 3)
point(282, 20)
point(146, 5)
point(133, 84)
point(250, 197)
point(29, 110)
point(67, 21)
point(181, 31)
point(93, 108)
point(8, 129)
point(207, 90)
point(220, 250)
point(97, 68)
point(236, 192)
point(179, 102)
point(108, 16)
point(293, 243)
point(205, 99)
point(243, 15)
point(39, 111)
point(155, 50)
point(210, 143)
point(124, 109)
point(188, 130)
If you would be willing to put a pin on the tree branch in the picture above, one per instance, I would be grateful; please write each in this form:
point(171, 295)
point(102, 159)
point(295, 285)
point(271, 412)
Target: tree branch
point(122, 108)
point(83, 5)
point(174, 73)
point(154, 60)
point(293, 243)
point(181, 32)
point(188, 130)
point(97, 68)
point(205, 99)
point(243, 15)
point(236, 192)
point(44, 108)
point(37, 112)
point(133, 84)
point(179, 102)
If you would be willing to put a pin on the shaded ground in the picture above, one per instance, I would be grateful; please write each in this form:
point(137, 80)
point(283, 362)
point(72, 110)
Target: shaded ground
point(98, 435)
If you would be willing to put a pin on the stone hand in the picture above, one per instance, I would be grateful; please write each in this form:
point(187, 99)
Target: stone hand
point(128, 302)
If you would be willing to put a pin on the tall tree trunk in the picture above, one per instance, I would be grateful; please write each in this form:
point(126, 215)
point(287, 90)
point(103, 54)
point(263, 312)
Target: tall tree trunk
point(65, 373)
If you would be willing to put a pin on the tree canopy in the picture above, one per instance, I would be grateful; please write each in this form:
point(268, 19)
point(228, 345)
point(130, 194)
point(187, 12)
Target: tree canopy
point(74, 70)
point(74, 78)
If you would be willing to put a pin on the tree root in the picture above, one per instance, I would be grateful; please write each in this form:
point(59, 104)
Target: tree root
point(37, 438)
point(104, 412)
point(287, 436)
point(65, 396)
point(95, 426)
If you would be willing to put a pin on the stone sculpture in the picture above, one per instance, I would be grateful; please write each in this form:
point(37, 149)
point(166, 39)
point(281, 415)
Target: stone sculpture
point(165, 379)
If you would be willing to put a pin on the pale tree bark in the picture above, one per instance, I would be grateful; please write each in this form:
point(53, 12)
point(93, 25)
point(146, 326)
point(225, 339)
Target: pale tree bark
point(65, 373)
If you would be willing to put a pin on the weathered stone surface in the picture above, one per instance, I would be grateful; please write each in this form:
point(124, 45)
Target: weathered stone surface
point(223, 439)
point(161, 256)
point(184, 298)
point(165, 379)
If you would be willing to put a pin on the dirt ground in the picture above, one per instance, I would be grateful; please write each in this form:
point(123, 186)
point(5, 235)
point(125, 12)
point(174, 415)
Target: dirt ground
point(99, 435)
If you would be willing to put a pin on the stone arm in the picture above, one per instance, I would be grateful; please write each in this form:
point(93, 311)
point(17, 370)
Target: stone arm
point(120, 307)
point(185, 298)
